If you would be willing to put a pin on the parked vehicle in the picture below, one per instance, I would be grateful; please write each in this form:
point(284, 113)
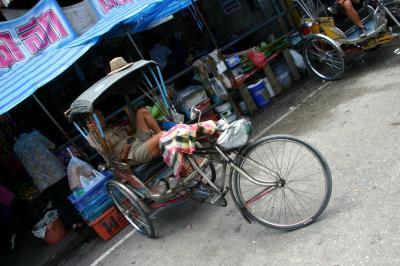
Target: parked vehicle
point(277, 181)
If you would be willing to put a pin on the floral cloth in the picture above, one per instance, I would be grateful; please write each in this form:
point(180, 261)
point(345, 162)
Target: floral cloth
point(34, 151)
point(181, 140)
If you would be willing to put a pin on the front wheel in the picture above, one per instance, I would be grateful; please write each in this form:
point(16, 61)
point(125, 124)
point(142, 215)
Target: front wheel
point(324, 57)
point(130, 206)
point(302, 178)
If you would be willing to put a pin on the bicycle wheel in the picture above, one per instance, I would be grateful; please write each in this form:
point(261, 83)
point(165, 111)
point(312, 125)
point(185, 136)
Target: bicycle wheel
point(324, 57)
point(303, 183)
point(129, 205)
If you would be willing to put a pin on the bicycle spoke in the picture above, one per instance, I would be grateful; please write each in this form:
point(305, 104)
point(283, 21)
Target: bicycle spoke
point(300, 167)
point(130, 211)
point(274, 158)
point(299, 177)
point(293, 208)
point(283, 153)
point(269, 202)
point(260, 195)
point(294, 162)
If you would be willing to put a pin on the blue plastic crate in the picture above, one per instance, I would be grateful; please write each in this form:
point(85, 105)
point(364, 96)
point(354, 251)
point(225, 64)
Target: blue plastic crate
point(97, 210)
point(94, 193)
point(95, 203)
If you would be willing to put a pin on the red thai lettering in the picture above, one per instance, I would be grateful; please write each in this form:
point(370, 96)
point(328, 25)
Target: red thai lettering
point(53, 26)
point(9, 51)
point(107, 5)
point(33, 36)
point(40, 32)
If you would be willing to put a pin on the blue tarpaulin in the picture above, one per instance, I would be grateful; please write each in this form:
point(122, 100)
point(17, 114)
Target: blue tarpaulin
point(23, 79)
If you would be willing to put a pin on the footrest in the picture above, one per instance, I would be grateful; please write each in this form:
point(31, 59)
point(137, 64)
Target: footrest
point(354, 34)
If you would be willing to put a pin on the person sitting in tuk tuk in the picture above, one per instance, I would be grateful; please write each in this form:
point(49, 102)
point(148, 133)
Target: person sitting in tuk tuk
point(135, 149)
point(351, 13)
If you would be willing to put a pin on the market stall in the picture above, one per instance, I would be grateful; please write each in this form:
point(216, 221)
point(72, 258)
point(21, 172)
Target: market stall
point(25, 74)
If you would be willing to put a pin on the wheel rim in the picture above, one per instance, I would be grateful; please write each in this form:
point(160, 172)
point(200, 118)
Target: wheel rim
point(302, 187)
point(324, 59)
point(129, 210)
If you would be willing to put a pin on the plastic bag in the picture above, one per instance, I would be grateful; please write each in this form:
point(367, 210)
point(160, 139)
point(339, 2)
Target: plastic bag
point(257, 58)
point(298, 59)
point(77, 169)
point(87, 183)
point(236, 135)
point(39, 229)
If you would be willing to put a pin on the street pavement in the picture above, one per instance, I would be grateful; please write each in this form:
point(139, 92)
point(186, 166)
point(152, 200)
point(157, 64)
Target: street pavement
point(355, 123)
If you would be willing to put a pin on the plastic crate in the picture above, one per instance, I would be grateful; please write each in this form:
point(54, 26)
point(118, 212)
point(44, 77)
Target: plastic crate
point(96, 211)
point(190, 97)
point(92, 195)
point(109, 224)
point(96, 207)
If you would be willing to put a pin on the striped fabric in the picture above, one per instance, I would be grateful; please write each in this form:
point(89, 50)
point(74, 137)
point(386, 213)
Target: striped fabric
point(181, 140)
point(22, 81)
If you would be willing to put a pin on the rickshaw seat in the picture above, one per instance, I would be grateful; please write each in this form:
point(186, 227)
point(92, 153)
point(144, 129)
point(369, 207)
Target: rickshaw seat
point(146, 170)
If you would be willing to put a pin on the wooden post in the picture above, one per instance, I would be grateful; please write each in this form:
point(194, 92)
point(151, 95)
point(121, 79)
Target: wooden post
point(294, 71)
point(235, 109)
point(244, 92)
point(285, 7)
point(272, 79)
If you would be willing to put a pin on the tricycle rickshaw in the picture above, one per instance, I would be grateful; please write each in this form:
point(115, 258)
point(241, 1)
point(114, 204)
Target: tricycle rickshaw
point(327, 44)
point(278, 181)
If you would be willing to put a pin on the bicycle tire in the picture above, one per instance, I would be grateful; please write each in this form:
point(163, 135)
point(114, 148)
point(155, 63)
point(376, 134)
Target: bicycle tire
point(237, 193)
point(135, 202)
point(324, 57)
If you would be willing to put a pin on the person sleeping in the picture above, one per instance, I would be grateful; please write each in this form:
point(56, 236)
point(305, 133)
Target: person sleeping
point(136, 149)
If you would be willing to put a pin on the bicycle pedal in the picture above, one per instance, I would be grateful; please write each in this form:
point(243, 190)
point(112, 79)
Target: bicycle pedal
point(216, 198)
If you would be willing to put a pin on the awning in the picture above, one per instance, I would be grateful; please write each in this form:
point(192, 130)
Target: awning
point(24, 79)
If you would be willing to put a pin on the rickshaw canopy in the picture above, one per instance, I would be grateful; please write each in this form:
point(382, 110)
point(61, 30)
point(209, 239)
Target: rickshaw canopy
point(86, 101)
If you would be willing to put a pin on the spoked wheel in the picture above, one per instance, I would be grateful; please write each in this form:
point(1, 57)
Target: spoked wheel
point(324, 57)
point(302, 179)
point(129, 205)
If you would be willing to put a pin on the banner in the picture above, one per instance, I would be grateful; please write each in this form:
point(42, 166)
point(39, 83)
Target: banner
point(102, 7)
point(82, 16)
point(43, 28)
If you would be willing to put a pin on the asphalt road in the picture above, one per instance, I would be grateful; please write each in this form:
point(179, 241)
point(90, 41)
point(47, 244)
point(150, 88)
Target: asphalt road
point(355, 123)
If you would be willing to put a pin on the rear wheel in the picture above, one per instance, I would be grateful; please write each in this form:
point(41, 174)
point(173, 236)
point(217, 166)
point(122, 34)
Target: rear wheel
point(130, 206)
point(303, 183)
point(324, 58)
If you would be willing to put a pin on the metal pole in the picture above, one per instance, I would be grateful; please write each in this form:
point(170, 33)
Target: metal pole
point(206, 25)
point(133, 43)
point(52, 118)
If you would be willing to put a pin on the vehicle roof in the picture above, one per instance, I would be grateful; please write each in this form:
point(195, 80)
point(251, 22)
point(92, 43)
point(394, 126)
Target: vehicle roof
point(85, 102)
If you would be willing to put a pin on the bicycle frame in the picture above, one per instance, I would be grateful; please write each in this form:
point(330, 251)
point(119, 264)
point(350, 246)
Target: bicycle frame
point(215, 152)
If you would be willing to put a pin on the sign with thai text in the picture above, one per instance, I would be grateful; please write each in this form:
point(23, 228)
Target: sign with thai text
point(102, 7)
point(43, 28)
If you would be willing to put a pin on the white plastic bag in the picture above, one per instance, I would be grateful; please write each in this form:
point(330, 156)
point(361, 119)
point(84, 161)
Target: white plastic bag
point(39, 229)
point(77, 169)
point(236, 135)
point(298, 59)
point(87, 183)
